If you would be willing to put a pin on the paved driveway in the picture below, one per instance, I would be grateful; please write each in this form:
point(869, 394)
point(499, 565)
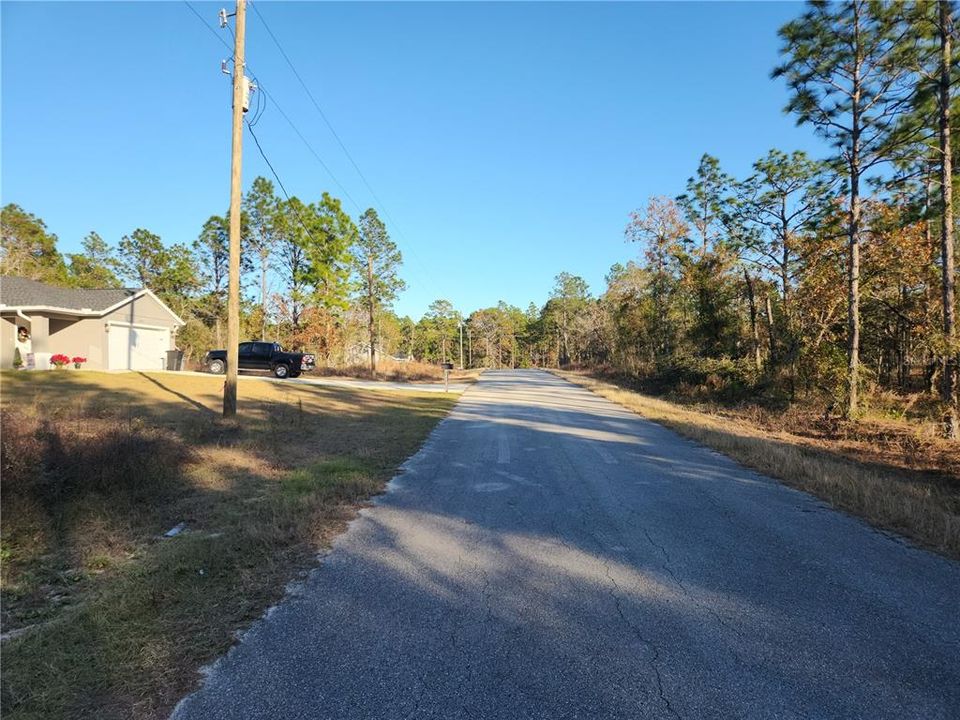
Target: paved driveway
point(550, 555)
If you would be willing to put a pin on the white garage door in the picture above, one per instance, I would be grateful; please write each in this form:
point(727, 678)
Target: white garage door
point(137, 348)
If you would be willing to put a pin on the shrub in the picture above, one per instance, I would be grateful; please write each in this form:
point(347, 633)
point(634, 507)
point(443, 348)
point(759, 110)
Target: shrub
point(723, 379)
point(388, 369)
point(51, 462)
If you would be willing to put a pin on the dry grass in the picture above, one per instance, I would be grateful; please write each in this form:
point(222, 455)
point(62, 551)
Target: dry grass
point(394, 371)
point(97, 466)
point(914, 494)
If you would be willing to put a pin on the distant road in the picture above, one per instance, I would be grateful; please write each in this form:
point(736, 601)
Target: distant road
point(551, 555)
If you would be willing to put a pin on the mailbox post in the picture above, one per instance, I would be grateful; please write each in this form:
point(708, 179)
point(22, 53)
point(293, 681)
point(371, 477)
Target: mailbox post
point(447, 367)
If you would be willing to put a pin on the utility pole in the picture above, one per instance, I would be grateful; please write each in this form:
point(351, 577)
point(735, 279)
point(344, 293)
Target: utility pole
point(461, 343)
point(240, 85)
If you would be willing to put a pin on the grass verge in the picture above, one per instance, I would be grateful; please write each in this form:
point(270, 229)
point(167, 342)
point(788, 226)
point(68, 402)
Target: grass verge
point(391, 370)
point(921, 504)
point(111, 619)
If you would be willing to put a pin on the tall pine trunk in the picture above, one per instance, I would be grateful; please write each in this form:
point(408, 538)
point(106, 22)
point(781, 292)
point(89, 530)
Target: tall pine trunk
point(754, 332)
point(853, 266)
point(771, 332)
point(263, 295)
point(853, 298)
point(370, 308)
point(949, 382)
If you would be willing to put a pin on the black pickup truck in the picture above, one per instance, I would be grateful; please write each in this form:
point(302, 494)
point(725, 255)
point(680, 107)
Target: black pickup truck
point(262, 356)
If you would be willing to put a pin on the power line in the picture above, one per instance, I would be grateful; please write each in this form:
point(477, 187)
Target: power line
point(316, 105)
point(283, 114)
point(208, 26)
point(277, 178)
point(313, 152)
point(301, 136)
point(267, 161)
point(333, 132)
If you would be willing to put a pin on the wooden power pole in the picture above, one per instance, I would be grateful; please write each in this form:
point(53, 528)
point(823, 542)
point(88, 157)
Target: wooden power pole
point(233, 294)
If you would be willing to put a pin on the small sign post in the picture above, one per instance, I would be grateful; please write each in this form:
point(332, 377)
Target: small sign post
point(447, 367)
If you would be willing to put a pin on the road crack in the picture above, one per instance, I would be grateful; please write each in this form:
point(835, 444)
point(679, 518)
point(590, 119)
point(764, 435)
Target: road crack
point(654, 660)
point(668, 567)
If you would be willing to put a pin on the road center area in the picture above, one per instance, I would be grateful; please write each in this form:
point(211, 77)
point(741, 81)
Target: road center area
point(548, 554)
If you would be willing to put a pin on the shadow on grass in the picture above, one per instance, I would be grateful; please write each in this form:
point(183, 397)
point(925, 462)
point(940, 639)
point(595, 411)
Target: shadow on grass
point(96, 467)
point(270, 490)
point(167, 388)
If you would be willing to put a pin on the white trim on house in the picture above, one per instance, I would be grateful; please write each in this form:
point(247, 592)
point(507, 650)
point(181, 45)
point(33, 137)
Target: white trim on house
point(137, 325)
point(93, 313)
point(49, 309)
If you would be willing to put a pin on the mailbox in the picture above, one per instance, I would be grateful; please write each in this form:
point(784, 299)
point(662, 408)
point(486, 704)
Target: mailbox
point(447, 365)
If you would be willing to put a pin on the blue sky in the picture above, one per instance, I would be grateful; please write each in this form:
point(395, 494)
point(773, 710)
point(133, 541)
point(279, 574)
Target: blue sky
point(507, 142)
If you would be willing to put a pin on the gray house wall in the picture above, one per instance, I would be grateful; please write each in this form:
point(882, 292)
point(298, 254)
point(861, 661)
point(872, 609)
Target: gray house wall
point(143, 311)
point(8, 339)
point(84, 337)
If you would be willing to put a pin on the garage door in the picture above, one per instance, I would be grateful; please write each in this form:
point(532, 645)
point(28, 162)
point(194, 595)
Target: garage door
point(137, 348)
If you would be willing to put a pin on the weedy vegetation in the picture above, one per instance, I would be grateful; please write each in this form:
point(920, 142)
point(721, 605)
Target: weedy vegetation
point(392, 370)
point(104, 616)
point(885, 471)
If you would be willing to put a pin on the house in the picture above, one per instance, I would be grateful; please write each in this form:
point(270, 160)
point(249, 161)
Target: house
point(113, 328)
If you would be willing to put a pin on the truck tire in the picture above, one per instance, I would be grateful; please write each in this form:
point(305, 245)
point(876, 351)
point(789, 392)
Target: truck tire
point(281, 371)
point(217, 367)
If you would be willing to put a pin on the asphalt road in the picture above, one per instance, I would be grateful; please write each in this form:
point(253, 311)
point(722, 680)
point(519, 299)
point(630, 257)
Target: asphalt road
point(550, 555)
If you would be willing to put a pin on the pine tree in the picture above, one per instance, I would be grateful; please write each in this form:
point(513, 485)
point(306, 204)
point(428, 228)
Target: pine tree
point(707, 207)
point(27, 249)
point(95, 266)
point(844, 65)
point(947, 63)
point(376, 260)
point(262, 207)
point(661, 231)
point(291, 251)
point(212, 250)
point(781, 201)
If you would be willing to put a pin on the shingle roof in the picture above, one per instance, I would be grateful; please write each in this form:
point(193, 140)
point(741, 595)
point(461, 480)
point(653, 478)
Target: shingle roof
point(21, 292)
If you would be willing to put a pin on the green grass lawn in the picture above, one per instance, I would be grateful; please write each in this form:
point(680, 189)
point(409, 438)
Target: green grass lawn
point(114, 620)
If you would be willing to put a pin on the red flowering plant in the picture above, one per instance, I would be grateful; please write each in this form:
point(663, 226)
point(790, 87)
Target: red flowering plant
point(78, 361)
point(59, 360)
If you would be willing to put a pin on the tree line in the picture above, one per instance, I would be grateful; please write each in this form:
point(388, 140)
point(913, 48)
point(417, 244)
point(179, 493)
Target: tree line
point(810, 277)
point(337, 278)
point(819, 277)
point(826, 278)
